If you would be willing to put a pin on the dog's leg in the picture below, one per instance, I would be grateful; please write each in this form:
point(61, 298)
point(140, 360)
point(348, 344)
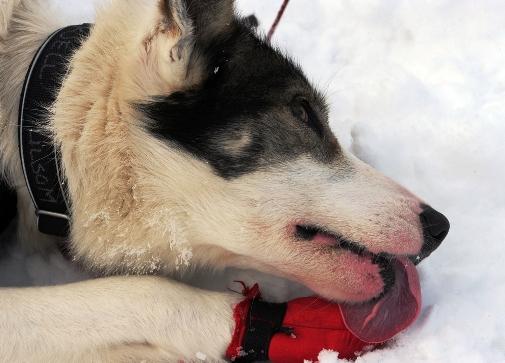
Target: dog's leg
point(115, 320)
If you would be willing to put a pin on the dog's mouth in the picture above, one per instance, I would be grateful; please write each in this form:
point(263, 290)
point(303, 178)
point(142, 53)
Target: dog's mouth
point(387, 314)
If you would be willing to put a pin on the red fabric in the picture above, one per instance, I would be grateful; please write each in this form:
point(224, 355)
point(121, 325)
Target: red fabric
point(240, 314)
point(317, 325)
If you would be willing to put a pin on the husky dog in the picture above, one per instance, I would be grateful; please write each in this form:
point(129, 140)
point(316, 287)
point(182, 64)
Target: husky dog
point(187, 139)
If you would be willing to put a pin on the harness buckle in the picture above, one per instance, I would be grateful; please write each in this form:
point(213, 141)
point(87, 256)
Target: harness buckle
point(51, 223)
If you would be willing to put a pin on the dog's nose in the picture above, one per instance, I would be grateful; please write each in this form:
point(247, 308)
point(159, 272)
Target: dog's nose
point(435, 228)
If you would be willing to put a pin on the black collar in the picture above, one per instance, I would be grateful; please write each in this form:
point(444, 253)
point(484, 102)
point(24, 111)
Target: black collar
point(39, 154)
point(8, 204)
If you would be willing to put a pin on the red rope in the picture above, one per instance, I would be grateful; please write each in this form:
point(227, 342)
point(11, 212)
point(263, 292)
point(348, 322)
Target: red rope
point(277, 20)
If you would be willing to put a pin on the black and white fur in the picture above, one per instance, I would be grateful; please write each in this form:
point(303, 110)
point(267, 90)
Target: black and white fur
point(187, 140)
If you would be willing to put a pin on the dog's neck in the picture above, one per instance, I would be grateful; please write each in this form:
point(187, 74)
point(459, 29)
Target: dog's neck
point(128, 190)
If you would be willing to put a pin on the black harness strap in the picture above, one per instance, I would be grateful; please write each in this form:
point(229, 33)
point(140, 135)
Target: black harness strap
point(264, 321)
point(39, 154)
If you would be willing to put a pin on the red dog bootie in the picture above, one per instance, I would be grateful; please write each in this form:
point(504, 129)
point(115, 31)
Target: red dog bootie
point(289, 332)
point(300, 329)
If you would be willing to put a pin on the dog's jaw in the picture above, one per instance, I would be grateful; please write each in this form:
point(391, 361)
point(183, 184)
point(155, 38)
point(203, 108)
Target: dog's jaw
point(364, 219)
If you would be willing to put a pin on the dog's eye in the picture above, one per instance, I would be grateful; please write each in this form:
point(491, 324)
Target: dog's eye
point(305, 113)
point(300, 110)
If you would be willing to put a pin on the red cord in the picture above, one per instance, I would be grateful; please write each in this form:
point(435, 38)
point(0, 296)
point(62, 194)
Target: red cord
point(277, 20)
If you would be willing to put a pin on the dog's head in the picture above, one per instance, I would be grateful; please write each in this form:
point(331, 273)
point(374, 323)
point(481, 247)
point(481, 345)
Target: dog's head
point(235, 141)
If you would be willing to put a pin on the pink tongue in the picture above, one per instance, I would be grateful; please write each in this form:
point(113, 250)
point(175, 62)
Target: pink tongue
point(380, 321)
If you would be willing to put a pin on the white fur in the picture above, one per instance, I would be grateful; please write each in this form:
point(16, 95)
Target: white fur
point(121, 319)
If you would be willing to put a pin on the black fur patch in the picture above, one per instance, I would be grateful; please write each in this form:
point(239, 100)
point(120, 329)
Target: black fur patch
point(249, 92)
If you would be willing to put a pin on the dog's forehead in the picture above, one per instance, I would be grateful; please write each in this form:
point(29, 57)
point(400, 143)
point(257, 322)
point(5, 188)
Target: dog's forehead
point(241, 118)
point(250, 69)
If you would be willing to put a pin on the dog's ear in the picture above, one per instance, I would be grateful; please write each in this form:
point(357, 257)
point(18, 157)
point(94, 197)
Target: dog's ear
point(188, 26)
point(204, 18)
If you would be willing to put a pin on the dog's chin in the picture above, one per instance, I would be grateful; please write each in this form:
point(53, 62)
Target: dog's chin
point(352, 273)
point(351, 279)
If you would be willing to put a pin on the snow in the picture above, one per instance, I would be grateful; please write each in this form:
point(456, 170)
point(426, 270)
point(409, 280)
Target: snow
point(417, 89)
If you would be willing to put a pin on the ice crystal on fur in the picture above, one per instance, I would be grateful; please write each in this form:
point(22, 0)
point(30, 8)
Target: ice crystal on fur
point(201, 356)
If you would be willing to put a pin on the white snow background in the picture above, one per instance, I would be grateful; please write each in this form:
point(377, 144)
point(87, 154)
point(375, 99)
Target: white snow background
point(417, 89)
